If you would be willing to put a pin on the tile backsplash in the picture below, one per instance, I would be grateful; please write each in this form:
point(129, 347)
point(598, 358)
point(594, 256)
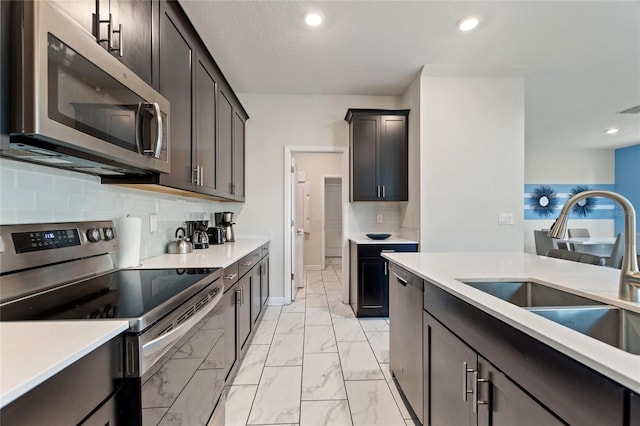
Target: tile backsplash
point(34, 194)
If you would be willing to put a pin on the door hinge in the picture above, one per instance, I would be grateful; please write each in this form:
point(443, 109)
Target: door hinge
point(292, 169)
point(292, 276)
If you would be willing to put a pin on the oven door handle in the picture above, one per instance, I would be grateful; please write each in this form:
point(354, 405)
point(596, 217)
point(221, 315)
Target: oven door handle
point(163, 343)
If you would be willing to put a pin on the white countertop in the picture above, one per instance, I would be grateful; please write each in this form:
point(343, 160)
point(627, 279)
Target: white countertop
point(447, 270)
point(216, 256)
point(33, 351)
point(393, 239)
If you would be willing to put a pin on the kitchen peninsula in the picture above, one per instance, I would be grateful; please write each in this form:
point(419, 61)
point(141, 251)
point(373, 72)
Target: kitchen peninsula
point(516, 360)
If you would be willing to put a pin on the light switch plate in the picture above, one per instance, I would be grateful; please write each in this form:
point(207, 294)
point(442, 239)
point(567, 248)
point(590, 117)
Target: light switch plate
point(379, 218)
point(505, 218)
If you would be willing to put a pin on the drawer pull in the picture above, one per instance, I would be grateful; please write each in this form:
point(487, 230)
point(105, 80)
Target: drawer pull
point(247, 263)
point(229, 276)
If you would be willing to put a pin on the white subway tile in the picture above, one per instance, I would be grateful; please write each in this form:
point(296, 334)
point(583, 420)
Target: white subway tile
point(14, 200)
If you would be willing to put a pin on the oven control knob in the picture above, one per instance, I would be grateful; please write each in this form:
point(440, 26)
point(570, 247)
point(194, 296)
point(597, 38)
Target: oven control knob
point(93, 235)
point(108, 234)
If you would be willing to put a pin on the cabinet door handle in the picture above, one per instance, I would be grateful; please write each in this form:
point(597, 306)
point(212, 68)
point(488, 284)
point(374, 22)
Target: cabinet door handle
point(382, 191)
point(476, 396)
point(465, 371)
point(119, 49)
point(109, 23)
point(237, 293)
point(386, 269)
point(194, 175)
point(377, 191)
point(201, 175)
point(400, 280)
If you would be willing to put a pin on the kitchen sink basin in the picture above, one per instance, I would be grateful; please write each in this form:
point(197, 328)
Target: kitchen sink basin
point(612, 325)
point(528, 294)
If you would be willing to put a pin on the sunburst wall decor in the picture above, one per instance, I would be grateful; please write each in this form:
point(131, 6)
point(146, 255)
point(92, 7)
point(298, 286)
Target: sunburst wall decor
point(543, 201)
point(585, 207)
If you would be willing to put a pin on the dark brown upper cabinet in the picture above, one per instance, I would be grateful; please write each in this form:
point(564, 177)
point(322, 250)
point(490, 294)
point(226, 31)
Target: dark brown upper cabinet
point(207, 121)
point(379, 148)
point(123, 27)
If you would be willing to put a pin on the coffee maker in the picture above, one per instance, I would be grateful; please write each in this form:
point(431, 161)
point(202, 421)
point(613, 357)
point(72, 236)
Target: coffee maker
point(225, 221)
point(197, 233)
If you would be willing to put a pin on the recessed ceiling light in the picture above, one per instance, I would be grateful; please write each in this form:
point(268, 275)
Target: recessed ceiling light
point(612, 131)
point(314, 18)
point(467, 24)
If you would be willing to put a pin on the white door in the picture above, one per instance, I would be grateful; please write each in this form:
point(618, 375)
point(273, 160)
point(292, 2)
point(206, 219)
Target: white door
point(296, 233)
point(333, 217)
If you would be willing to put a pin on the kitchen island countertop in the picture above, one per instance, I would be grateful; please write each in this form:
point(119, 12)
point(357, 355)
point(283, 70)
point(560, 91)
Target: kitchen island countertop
point(447, 270)
point(33, 351)
point(393, 239)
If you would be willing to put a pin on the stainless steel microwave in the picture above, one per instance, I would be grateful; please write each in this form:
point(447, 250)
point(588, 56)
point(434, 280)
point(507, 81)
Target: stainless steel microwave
point(75, 106)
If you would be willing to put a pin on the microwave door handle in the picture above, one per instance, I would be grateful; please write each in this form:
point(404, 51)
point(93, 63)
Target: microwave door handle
point(158, 150)
point(139, 128)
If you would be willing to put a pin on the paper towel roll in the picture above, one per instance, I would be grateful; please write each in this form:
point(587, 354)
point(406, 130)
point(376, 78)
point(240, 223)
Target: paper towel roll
point(128, 231)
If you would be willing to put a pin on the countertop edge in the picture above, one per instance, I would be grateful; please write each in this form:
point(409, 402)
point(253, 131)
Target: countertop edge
point(611, 362)
point(57, 366)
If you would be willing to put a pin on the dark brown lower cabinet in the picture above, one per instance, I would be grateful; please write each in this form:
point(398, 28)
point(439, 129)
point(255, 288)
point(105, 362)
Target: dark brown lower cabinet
point(256, 274)
point(230, 345)
point(634, 415)
point(243, 305)
point(515, 378)
point(370, 295)
point(466, 389)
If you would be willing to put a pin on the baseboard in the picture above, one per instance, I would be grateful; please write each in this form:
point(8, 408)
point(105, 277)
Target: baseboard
point(313, 267)
point(275, 301)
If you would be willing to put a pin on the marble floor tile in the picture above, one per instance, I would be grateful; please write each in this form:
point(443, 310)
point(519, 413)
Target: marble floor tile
point(371, 404)
point(238, 404)
point(252, 364)
point(278, 397)
point(162, 389)
point(322, 377)
point(272, 313)
point(315, 288)
point(316, 300)
point(412, 422)
point(286, 349)
point(296, 306)
point(395, 391)
point(341, 311)
point(264, 333)
point(152, 416)
point(348, 330)
point(316, 413)
point(318, 315)
point(379, 341)
point(334, 297)
point(358, 361)
point(290, 323)
point(319, 338)
point(374, 324)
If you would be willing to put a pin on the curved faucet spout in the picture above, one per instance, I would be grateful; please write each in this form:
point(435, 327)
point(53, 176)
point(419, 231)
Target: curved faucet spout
point(629, 275)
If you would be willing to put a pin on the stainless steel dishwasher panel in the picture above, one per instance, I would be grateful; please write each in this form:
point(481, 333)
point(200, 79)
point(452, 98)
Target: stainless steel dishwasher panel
point(405, 337)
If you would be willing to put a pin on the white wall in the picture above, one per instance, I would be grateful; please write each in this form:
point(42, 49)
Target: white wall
point(288, 120)
point(35, 194)
point(472, 163)
point(315, 166)
point(410, 210)
point(544, 165)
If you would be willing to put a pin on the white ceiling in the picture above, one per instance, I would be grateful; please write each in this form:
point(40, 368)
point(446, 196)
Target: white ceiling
point(580, 59)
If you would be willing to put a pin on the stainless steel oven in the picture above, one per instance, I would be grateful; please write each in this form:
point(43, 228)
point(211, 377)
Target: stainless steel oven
point(76, 106)
point(173, 357)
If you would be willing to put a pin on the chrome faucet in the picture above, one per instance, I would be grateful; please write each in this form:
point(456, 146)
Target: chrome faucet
point(629, 275)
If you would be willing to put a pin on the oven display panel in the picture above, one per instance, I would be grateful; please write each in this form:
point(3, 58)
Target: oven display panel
point(25, 242)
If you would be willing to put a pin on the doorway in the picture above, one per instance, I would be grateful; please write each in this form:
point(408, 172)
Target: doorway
point(332, 208)
point(314, 222)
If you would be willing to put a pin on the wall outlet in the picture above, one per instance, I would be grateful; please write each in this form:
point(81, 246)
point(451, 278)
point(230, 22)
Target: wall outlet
point(153, 223)
point(505, 218)
point(379, 218)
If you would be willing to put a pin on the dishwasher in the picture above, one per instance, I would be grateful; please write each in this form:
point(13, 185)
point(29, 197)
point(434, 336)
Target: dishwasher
point(405, 336)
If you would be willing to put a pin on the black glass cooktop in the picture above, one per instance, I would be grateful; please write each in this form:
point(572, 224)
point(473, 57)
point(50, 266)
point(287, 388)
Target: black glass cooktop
point(125, 294)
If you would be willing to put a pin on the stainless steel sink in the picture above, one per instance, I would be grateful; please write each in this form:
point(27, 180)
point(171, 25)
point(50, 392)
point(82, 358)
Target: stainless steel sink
point(614, 326)
point(530, 294)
